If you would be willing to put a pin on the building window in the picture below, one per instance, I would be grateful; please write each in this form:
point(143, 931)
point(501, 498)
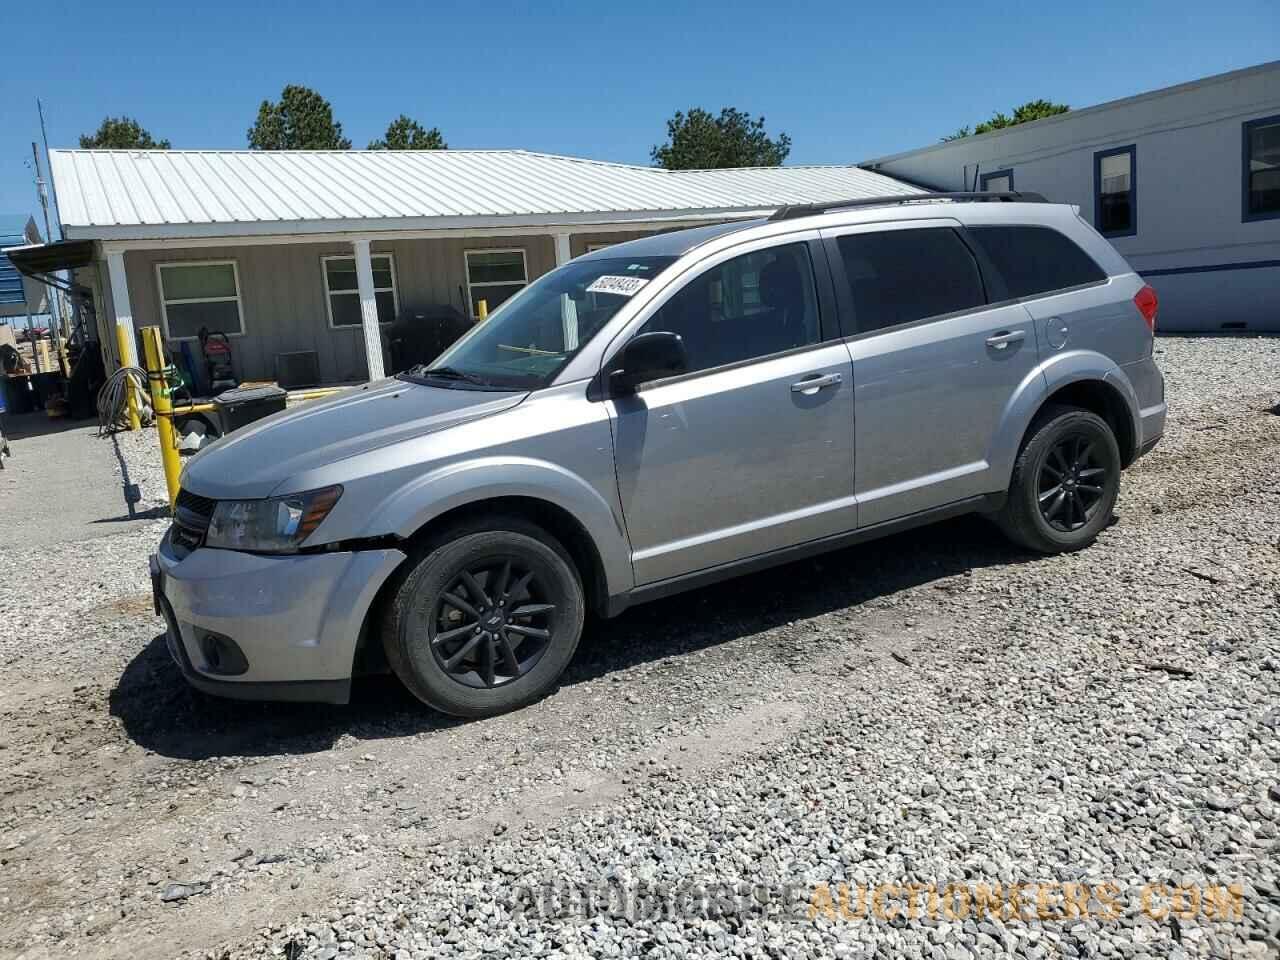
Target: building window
point(998, 181)
point(1262, 169)
point(494, 276)
point(342, 289)
point(1115, 192)
point(593, 247)
point(199, 294)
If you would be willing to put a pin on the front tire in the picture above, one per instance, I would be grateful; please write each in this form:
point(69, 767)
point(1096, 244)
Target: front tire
point(486, 620)
point(1065, 482)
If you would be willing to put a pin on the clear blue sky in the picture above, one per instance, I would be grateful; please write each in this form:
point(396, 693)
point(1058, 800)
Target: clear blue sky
point(846, 81)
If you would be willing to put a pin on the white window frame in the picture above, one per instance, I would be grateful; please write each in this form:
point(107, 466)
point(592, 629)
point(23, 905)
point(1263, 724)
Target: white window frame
point(164, 304)
point(466, 266)
point(329, 294)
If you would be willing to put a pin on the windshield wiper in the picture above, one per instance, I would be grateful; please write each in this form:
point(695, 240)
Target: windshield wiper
point(449, 373)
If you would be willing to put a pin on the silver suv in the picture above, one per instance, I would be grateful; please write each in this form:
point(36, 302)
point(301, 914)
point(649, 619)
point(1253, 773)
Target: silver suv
point(658, 415)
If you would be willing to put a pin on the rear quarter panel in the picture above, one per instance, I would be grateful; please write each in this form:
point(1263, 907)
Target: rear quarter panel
point(1100, 318)
point(1058, 371)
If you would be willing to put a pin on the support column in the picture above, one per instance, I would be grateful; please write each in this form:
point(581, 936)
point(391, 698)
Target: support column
point(126, 339)
point(568, 309)
point(124, 310)
point(368, 309)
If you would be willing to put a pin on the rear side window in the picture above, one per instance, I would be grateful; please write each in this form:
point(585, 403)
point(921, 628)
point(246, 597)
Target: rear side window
point(1035, 260)
point(901, 276)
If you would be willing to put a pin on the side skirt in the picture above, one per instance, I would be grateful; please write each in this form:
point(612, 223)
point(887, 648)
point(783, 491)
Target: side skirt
point(985, 503)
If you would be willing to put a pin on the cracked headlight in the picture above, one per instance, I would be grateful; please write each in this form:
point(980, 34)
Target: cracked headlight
point(277, 525)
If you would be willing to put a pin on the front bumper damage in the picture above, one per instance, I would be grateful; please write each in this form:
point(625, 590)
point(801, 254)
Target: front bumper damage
point(256, 627)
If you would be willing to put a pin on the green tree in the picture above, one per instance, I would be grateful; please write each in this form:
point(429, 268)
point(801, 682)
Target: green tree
point(301, 120)
point(407, 134)
point(121, 133)
point(1031, 110)
point(699, 141)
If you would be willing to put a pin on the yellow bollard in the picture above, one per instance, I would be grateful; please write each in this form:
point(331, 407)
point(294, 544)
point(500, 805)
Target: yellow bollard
point(122, 344)
point(482, 311)
point(157, 379)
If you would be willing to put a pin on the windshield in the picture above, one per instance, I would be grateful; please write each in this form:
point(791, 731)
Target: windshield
point(528, 340)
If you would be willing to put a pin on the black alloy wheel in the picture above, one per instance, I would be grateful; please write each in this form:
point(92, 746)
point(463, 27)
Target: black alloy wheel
point(1065, 481)
point(484, 617)
point(1073, 482)
point(492, 623)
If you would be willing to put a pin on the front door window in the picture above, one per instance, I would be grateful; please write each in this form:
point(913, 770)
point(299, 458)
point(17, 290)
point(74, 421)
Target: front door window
point(752, 306)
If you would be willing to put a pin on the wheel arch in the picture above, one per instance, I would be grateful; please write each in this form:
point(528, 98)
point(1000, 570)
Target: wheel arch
point(1079, 378)
point(565, 504)
point(1106, 400)
point(551, 517)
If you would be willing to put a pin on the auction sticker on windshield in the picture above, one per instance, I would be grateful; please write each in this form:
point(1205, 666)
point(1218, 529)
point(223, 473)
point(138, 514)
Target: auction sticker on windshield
point(622, 286)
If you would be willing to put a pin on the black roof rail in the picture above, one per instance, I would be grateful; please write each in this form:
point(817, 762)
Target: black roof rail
point(810, 209)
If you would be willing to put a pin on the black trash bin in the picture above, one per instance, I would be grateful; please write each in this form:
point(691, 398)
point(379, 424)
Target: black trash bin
point(247, 404)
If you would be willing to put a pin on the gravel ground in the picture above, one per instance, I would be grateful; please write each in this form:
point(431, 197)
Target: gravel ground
point(934, 709)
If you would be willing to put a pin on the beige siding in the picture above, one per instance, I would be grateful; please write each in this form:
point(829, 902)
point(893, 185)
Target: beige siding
point(431, 271)
point(578, 241)
point(282, 292)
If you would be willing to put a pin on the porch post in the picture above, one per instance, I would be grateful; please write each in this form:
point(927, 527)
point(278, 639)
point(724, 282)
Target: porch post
point(368, 309)
point(124, 311)
point(568, 309)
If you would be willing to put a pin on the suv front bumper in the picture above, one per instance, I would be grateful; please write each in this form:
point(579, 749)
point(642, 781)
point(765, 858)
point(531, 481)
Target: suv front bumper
point(291, 624)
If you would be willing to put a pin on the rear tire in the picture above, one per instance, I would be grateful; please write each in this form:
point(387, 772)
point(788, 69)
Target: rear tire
point(1065, 482)
point(486, 619)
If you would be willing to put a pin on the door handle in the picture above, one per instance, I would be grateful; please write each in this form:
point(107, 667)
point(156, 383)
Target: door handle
point(1001, 341)
point(811, 385)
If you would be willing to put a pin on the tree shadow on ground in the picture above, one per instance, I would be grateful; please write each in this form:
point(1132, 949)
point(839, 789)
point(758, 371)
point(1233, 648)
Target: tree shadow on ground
point(161, 713)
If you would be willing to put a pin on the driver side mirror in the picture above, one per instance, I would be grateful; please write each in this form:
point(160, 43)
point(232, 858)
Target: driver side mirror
point(650, 356)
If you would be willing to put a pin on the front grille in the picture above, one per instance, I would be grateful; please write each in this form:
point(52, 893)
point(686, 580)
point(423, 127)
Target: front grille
point(191, 516)
point(201, 506)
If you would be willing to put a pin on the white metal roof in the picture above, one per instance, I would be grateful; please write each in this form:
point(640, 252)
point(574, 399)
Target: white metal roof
point(131, 194)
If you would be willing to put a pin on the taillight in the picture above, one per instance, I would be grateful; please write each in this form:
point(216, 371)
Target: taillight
point(1147, 303)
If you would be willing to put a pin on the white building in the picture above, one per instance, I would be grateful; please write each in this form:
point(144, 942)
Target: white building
point(1185, 181)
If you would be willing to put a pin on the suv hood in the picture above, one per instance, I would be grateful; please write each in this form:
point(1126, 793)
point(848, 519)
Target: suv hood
point(253, 461)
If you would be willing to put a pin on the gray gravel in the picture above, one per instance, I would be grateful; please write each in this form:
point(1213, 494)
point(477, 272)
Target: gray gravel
point(934, 709)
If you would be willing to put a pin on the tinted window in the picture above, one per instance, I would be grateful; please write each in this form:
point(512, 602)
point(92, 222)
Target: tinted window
point(751, 306)
point(899, 276)
point(1035, 260)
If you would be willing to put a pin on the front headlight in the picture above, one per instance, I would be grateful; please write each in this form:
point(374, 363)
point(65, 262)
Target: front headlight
point(278, 525)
